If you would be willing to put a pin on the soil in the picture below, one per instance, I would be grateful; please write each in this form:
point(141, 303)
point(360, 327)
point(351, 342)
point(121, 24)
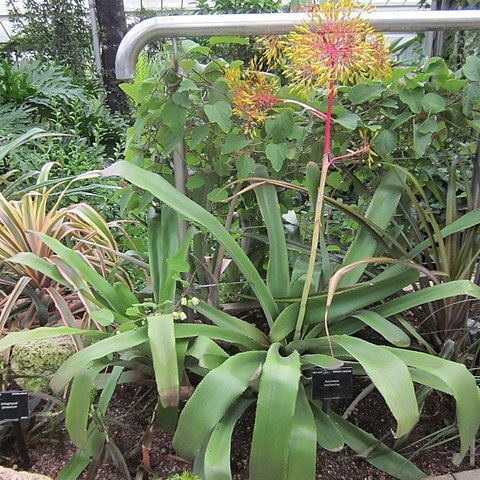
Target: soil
point(129, 416)
point(371, 415)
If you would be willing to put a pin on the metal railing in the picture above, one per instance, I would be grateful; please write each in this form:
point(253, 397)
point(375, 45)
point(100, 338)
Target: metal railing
point(264, 24)
point(275, 23)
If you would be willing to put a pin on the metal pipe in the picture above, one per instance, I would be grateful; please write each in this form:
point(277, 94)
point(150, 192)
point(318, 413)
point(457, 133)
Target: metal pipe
point(179, 165)
point(275, 23)
point(95, 38)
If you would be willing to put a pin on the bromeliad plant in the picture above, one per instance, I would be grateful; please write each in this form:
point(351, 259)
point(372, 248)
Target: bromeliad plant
point(30, 296)
point(272, 368)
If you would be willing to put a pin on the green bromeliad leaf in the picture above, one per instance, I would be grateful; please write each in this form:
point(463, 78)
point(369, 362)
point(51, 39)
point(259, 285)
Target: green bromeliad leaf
point(462, 386)
point(303, 441)
point(376, 452)
point(225, 384)
point(391, 377)
point(216, 461)
point(161, 338)
point(273, 426)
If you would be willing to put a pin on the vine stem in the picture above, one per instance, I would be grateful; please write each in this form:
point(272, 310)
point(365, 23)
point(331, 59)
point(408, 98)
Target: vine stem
point(317, 223)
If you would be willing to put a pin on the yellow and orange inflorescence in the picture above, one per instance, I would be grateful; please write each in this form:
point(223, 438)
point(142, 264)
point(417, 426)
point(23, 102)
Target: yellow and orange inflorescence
point(337, 47)
point(254, 95)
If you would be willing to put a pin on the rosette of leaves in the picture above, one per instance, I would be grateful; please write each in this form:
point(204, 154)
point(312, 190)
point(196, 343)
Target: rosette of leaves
point(33, 293)
point(273, 371)
point(270, 369)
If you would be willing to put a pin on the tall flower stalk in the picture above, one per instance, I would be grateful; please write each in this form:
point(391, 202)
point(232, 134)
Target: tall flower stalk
point(336, 47)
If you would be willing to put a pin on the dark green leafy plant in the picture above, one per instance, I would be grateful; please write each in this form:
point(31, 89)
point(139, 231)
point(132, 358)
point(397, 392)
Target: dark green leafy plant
point(53, 30)
point(237, 6)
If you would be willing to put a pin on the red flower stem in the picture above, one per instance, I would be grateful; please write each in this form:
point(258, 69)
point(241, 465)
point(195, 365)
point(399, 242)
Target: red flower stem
point(328, 125)
point(317, 223)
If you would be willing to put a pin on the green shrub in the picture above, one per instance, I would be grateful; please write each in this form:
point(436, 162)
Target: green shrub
point(53, 30)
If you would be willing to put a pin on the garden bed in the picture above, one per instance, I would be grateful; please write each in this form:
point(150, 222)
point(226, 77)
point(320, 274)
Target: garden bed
point(372, 415)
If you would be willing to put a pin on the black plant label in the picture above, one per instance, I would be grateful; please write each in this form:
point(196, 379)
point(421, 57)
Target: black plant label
point(14, 406)
point(332, 384)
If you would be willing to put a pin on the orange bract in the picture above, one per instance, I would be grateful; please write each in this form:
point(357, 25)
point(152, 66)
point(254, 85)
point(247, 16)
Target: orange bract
point(336, 47)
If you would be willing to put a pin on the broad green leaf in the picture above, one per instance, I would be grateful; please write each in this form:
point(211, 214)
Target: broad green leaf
point(174, 116)
point(471, 69)
point(245, 166)
point(195, 181)
point(380, 211)
point(198, 134)
point(462, 385)
point(279, 382)
point(338, 181)
point(41, 333)
point(453, 85)
point(390, 376)
point(220, 113)
point(217, 195)
point(96, 439)
point(471, 98)
point(161, 338)
point(400, 120)
point(182, 100)
point(189, 330)
point(429, 294)
point(79, 360)
point(78, 407)
point(421, 141)
point(168, 138)
point(234, 143)
point(189, 46)
point(280, 127)
point(430, 125)
point(429, 380)
point(103, 317)
point(200, 414)
point(216, 463)
point(328, 436)
point(194, 212)
point(229, 322)
point(323, 361)
point(278, 275)
point(219, 91)
point(413, 98)
point(433, 103)
point(344, 302)
point(228, 39)
point(303, 441)
point(388, 330)
point(365, 92)
point(347, 120)
point(438, 67)
point(385, 143)
point(187, 86)
point(276, 153)
point(207, 352)
point(381, 456)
